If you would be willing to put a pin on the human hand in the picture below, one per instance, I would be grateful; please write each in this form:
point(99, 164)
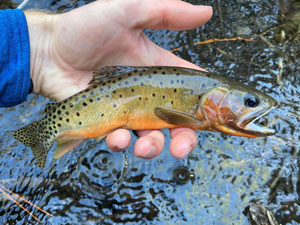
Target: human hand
point(66, 48)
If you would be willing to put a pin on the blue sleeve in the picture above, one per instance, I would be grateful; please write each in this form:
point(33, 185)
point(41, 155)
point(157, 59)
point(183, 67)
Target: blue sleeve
point(15, 83)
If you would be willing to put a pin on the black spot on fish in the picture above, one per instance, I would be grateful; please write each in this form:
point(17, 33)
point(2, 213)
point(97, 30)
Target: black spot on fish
point(77, 114)
point(86, 90)
point(172, 102)
point(84, 104)
point(94, 86)
point(60, 118)
point(163, 72)
point(132, 90)
point(67, 112)
point(109, 81)
point(113, 81)
point(159, 68)
point(102, 114)
point(54, 117)
point(65, 101)
point(59, 125)
point(114, 92)
point(129, 74)
point(91, 100)
point(55, 131)
point(199, 96)
point(177, 74)
point(208, 75)
point(155, 72)
point(163, 97)
point(175, 90)
point(58, 112)
point(146, 99)
point(135, 71)
point(71, 105)
point(120, 96)
point(67, 120)
point(79, 123)
point(174, 69)
point(140, 98)
point(153, 94)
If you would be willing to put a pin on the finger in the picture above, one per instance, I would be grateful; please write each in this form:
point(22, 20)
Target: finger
point(171, 14)
point(183, 141)
point(150, 145)
point(118, 140)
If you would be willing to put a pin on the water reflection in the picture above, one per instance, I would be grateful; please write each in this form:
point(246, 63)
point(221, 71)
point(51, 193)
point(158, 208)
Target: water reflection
point(92, 185)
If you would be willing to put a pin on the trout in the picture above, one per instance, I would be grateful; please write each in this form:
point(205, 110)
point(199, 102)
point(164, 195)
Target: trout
point(139, 98)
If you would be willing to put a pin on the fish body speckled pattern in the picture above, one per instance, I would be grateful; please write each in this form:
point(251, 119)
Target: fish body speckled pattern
point(140, 98)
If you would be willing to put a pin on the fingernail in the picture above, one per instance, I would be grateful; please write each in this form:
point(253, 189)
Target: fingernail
point(152, 152)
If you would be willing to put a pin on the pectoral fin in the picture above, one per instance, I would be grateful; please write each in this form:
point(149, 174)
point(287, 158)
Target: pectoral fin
point(173, 116)
point(64, 145)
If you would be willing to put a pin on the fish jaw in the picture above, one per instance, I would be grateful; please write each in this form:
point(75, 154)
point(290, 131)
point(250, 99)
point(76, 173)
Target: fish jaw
point(248, 126)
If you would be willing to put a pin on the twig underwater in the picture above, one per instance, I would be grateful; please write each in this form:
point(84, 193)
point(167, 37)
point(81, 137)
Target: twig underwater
point(22, 4)
point(9, 194)
point(212, 41)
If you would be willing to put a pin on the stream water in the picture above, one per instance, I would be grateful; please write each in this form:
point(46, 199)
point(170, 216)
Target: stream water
point(214, 184)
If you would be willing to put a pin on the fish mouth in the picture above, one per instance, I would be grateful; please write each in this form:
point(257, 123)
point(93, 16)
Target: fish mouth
point(247, 124)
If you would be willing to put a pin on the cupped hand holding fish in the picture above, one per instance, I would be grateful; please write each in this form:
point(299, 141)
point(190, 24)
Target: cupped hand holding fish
point(66, 48)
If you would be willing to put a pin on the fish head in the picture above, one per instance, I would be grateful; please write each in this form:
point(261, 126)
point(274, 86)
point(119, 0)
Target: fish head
point(234, 110)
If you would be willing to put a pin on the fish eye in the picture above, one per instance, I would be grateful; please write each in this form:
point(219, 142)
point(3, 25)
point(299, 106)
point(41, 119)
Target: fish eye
point(251, 101)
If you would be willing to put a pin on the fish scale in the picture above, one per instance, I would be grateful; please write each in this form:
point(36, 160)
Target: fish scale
point(141, 98)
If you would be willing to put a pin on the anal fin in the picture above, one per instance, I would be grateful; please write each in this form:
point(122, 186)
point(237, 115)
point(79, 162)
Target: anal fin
point(66, 144)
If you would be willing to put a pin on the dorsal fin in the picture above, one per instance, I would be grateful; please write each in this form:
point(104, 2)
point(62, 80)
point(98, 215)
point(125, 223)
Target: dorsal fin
point(111, 71)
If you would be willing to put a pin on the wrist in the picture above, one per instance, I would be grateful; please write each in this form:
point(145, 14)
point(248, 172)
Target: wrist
point(40, 29)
